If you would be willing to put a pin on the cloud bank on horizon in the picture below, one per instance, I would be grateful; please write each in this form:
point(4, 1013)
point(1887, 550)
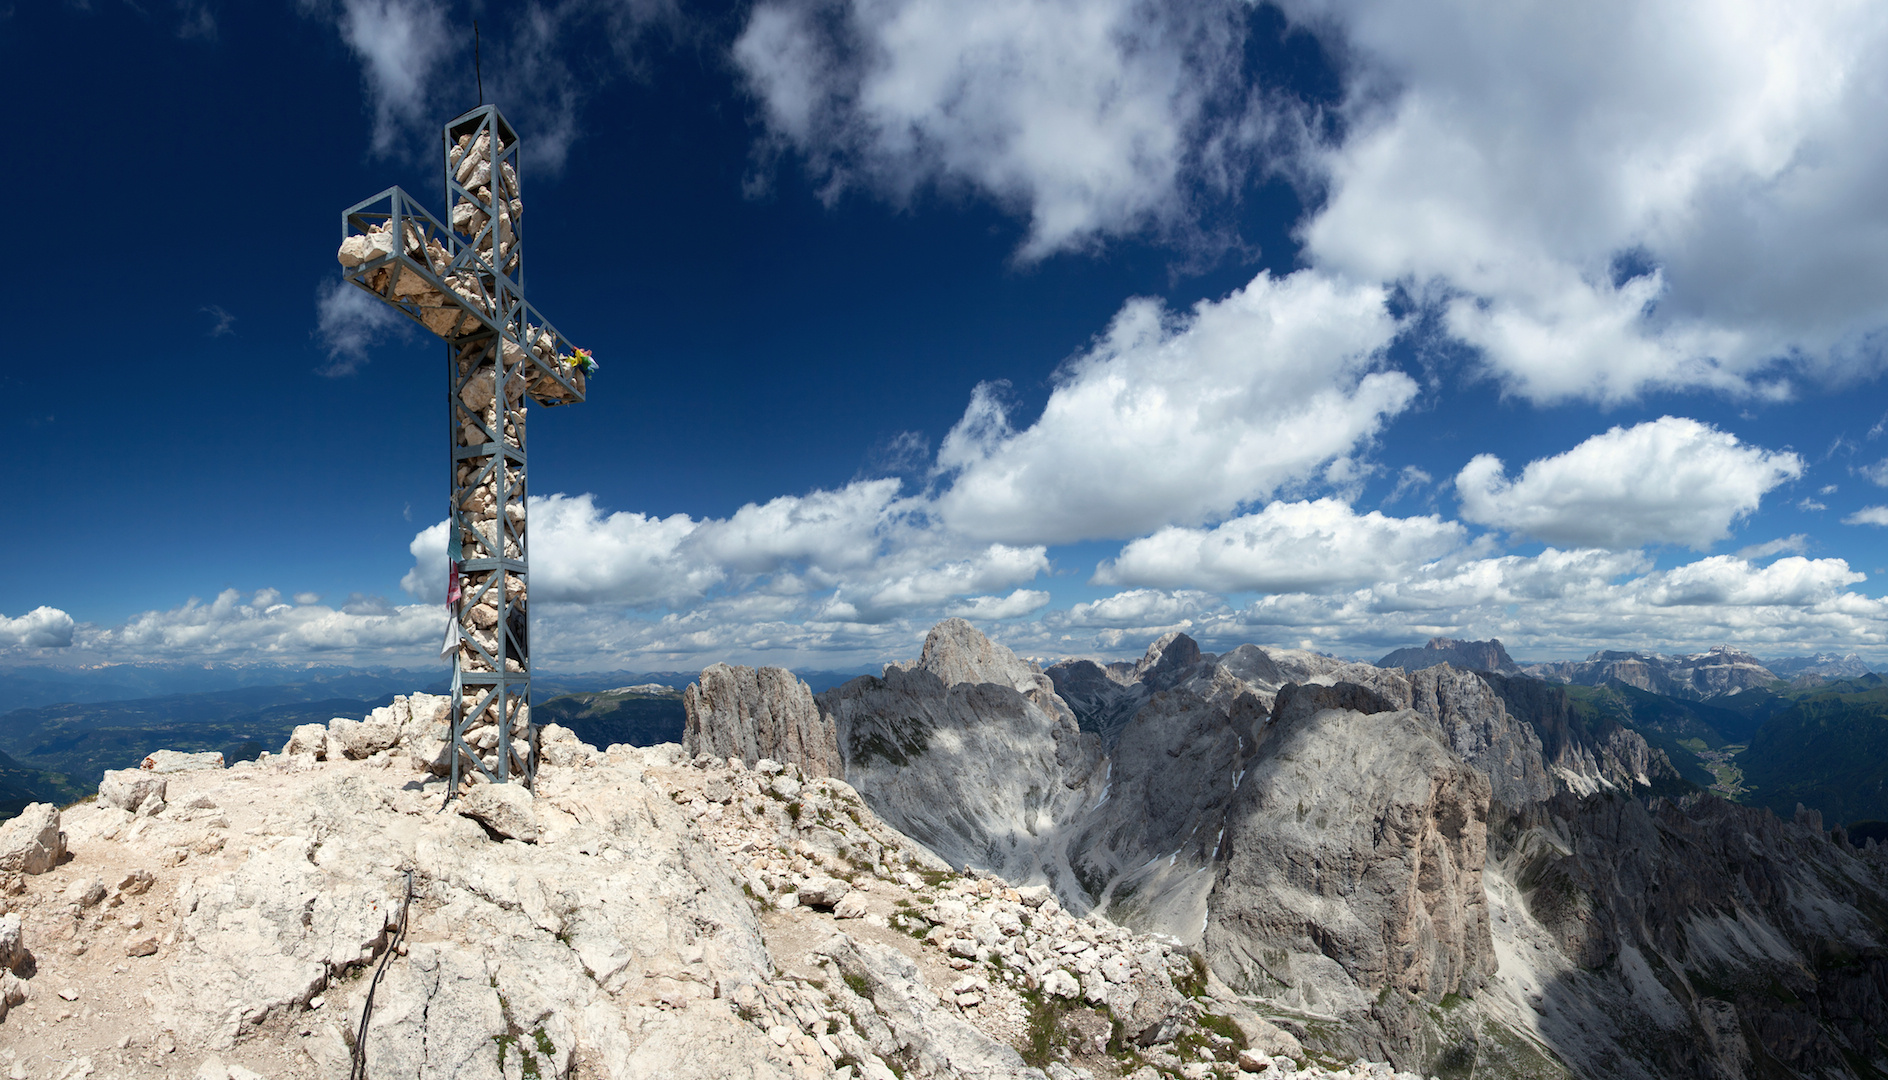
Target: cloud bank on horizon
point(1704, 219)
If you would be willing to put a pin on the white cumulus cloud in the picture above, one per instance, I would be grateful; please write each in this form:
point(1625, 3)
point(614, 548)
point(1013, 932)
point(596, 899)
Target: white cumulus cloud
point(1868, 515)
point(1306, 546)
point(1666, 481)
point(860, 554)
point(1091, 117)
point(41, 628)
point(1014, 606)
point(1617, 195)
point(236, 626)
point(401, 45)
point(1181, 419)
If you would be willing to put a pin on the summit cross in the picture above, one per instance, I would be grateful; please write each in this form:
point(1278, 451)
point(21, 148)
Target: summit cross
point(465, 283)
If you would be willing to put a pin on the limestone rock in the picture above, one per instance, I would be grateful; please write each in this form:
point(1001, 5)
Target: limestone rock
point(14, 955)
point(13, 991)
point(506, 809)
point(173, 761)
point(436, 1017)
point(980, 767)
point(128, 789)
point(1060, 983)
point(823, 892)
point(308, 739)
point(86, 892)
point(1295, 702)
point(1106, 699)
point(365, 248)
point(908, 1018)
point(1476, 725)
point(1354, 857)
point(1155, 826)
point(361, 739)
point(32, 843)
point(749, 714)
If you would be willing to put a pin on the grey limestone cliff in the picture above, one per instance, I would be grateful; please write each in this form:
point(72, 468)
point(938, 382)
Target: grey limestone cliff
point(749, 714)
point(1352, 863)
point(969, 750)
point(1446, 868)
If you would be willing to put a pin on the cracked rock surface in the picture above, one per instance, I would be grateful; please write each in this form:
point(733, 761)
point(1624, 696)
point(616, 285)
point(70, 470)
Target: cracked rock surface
point(652, 928)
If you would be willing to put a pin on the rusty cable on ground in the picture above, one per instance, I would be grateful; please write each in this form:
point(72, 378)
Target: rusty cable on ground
point(358, 1071)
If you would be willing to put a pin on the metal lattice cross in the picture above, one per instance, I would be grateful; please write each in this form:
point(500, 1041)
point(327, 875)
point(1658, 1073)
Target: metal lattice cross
point(465, 284)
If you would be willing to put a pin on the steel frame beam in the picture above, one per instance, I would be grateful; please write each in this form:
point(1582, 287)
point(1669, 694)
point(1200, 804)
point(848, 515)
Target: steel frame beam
point(464, 283)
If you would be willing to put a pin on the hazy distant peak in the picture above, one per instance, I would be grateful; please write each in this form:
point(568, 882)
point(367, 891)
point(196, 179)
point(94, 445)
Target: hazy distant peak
point(1466, 655)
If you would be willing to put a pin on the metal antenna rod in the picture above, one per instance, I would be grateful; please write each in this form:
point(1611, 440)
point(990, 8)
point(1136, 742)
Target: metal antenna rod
point(476, 73)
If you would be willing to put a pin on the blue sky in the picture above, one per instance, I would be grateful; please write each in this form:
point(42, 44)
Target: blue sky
point(1337, 325)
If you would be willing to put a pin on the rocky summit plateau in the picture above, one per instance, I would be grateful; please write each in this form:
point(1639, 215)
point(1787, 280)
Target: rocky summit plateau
point(1266, 863)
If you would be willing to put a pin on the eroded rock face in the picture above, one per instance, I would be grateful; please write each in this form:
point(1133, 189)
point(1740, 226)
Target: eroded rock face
point(32, 843)
point(970, 751)
point(1476, 724)
point(1353, 862)
point(1106, 699)
point(1583, 760)
point(1142, 852)
point(1682, 938)
point(749, 714)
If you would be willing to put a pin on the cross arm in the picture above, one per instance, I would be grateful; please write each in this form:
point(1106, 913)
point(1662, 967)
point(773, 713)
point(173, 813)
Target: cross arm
point(396, 250)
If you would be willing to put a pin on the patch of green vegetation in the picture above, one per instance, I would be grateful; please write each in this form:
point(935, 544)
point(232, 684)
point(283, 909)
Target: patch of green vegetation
point(859, 985)
point(1044, 1013)
point(1193, 983)
point(1827, 749)
point(793, 810)
point(1705, 986)
point(505, 1043)
point(1861, 832)
point(639, 718)
point(1782, 993)
point(1224, 1027)
point(1727, 778)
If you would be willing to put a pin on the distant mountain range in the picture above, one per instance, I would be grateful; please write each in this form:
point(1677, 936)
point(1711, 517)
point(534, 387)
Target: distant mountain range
point(1704, 711)
point(61, 728)
point(1701, 676)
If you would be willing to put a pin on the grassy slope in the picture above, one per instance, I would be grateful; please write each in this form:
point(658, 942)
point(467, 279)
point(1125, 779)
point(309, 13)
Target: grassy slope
point(20, 785)
point(1827, 749)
